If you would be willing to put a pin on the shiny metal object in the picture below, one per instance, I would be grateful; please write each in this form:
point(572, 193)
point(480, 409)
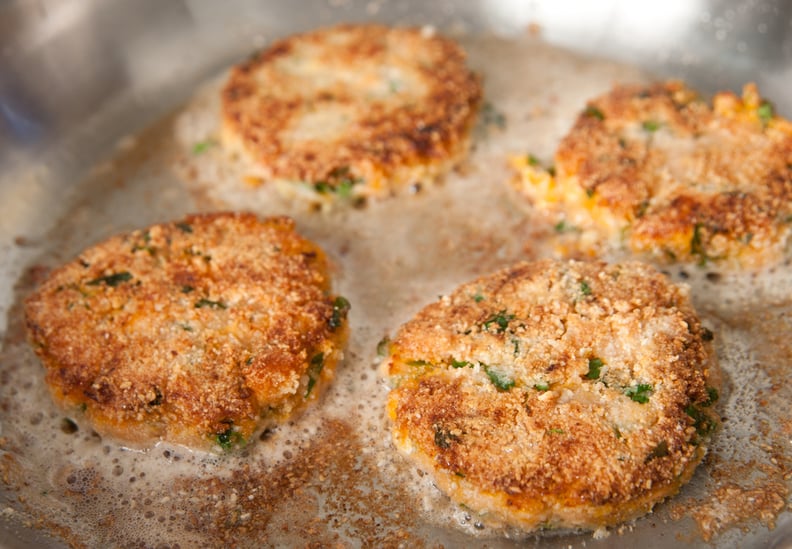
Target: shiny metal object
point(77, 76)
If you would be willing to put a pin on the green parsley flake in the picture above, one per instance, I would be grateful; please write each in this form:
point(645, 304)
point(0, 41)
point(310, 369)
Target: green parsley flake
point(595, 365)
point(203, 302)
point(650, 125)
point(703, 423)
point(501, 319)
point(661, 450)
point(341, 307)
point(697, 245)
point(765, 112)
point(314, 369)
point(443, 437)
point(594, 112)
point(460, 363)
point(639, 393)
point(383, 347)
point(712, 397)
point(585, 289)
point(111, 280)
point(229, 438)
point(502, 381)
point(202, 146)
point(544, 386)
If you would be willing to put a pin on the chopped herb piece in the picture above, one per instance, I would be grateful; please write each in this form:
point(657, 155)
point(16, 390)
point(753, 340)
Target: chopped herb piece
point(184, 227)
point(229, 438)
point(314, 369)
point(532, 160)
point(594, 112)
point(111, 280)
point(589, 192)
point(418, 363)
point(701, 421)
point(443, 437)
point(562, 227)
point(322, 187)
point(341, 307)
point(661, 450)
point(697, 245)
point(145, 246)
point(186, 289)
point(639, 393)
point(478, 298)
point(383, 346)
point(502, 381)
point(712, 397)
point(344, 188)
point(595, 365)
point(642, 208)
point(501, 319)
point(460, 363)
point(202, 146)
point(617, 432)
point(544, 386)
point(186, 327)
point(555, 431)
point(203, 302)
point(765, 112)
point(585, 289)
point(516, 343)
point(551, 170)
point(651, 125)
point(459, 474)
point(492, 116)
point(339, 181)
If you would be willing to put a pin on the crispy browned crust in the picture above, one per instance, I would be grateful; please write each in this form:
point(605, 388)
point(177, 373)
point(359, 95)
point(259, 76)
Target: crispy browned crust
point(376, 106)
point(197, 332)
point(497, 394)
point(672, 176)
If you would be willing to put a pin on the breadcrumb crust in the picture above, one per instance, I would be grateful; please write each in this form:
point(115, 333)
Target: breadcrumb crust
point(200, 331)
point(658, 170)
point(353, 109)
point(556, 394)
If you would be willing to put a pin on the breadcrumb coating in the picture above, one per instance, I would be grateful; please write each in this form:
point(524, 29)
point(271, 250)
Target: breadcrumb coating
point(200, 331)
point(661, 172)
point(359, 110)
point(556, 394)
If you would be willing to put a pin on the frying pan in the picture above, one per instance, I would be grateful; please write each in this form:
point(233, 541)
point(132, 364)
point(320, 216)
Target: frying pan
point(79, 81)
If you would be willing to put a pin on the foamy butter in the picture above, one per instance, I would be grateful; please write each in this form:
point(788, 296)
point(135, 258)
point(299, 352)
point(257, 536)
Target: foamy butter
point(331, 474)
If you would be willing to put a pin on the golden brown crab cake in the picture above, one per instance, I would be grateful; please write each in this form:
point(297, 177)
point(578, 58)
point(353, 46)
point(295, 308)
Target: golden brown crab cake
point(353, 110)
point(556, 394)
point(661, 172)
point(199, 332)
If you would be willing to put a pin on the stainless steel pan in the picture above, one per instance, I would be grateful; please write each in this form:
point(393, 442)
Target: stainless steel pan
point(77, 78)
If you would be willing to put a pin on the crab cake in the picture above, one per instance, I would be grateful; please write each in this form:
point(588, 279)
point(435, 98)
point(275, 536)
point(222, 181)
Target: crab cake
point(198, 332)
point(353, 110)
point(556, 394)
point(661, 172)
